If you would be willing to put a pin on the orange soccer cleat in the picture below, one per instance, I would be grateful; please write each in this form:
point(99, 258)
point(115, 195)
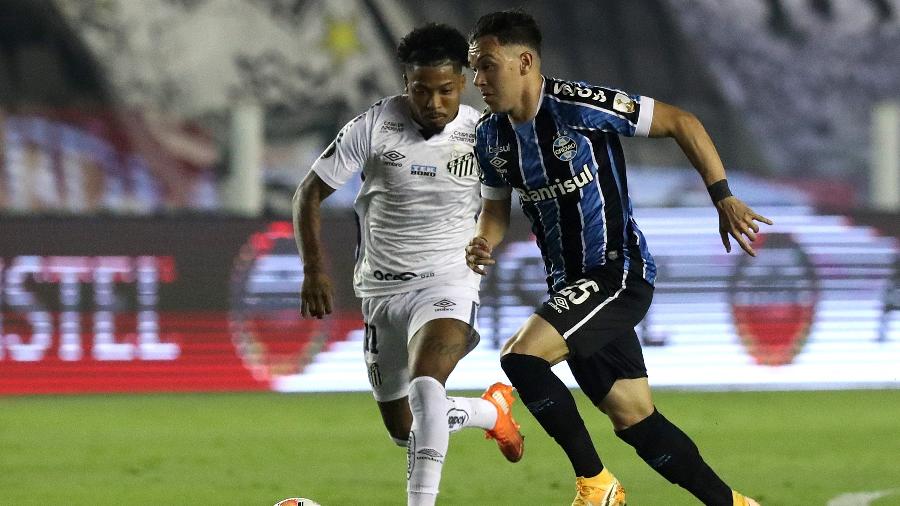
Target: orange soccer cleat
point(601, 490)
point(740, 500)
point(506, 430)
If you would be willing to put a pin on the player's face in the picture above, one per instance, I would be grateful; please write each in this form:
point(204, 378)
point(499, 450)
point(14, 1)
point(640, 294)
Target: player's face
point(498, 73)
point(434, 94)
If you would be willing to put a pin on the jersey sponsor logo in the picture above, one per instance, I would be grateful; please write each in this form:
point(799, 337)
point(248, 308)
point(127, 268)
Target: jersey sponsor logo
point(392, 158)
point(392, 126)
point(463, 136)
point(462, 166)
point(499, 149)
point(565, 148)
point(497, 162)
point(565, 89)
point(623, 103)
point(444, 305)
point(558, 189)
point(423, 170)
point(389, 276)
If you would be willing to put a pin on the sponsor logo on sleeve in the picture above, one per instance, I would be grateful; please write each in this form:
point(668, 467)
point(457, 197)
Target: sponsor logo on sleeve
point(566, 89)
point(623, 103)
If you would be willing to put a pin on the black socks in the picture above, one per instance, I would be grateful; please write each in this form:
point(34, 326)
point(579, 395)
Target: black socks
point(672, 454)
point(552, 404)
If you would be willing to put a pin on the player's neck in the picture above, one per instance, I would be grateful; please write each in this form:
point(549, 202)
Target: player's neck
point(530, 102)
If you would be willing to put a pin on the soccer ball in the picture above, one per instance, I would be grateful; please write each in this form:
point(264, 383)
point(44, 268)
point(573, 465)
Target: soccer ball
point(297, 501)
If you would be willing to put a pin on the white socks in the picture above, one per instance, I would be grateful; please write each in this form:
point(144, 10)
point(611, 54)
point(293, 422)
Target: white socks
point(470, 412)
point(435, 416)
point(428, 440)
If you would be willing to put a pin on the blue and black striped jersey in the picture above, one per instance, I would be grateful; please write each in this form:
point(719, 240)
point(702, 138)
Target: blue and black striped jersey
point(568, 169)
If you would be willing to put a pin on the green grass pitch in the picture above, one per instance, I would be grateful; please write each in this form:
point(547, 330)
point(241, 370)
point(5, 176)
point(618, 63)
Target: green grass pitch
point(784, 448)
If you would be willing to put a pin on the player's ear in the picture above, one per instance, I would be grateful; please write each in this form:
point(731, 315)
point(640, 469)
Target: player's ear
point(526, 62)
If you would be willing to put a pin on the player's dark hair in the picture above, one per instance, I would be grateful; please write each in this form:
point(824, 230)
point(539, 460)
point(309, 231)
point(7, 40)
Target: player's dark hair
point(512, 26)
point(432, 45)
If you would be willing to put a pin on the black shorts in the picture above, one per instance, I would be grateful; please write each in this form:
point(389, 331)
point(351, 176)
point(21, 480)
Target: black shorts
point(596, 315)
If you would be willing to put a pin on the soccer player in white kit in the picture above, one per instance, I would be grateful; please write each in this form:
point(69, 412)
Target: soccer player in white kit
point(417, 208)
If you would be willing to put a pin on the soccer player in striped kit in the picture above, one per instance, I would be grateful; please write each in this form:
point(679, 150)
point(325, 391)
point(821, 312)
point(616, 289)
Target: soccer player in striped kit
point(556, 144)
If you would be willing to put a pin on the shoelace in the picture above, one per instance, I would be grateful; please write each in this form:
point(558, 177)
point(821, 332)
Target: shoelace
point(584, 489)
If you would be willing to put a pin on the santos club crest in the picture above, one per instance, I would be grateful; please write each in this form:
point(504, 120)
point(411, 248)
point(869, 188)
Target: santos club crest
point(462, 166)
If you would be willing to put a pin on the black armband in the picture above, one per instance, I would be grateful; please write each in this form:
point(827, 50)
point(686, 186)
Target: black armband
point(718, 190)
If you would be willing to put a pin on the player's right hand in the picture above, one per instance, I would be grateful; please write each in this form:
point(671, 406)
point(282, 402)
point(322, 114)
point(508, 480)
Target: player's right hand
point(478, 254)
point(316, 295)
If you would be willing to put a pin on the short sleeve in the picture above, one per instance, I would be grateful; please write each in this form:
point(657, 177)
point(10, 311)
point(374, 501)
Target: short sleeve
point(601, 108)
point(347, 153)
point(493, 186)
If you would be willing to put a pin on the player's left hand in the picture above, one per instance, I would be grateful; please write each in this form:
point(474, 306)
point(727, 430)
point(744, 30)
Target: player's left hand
point(738, 220)
point(478, 254)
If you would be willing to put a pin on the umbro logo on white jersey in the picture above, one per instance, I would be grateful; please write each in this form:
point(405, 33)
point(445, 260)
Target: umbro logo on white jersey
point(394, 155)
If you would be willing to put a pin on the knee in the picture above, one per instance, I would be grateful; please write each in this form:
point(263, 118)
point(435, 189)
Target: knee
point(522, 368)
point(538, 339)
point(629, 416)
point(425, 392)
point(521, 344)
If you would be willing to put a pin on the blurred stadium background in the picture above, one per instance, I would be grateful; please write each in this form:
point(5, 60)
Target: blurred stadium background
point(148, 154)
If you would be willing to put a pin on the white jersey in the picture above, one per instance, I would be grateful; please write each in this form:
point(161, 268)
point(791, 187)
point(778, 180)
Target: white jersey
point(418, 201)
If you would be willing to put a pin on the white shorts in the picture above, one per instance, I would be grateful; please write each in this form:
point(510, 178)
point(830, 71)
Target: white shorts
point(392, 320)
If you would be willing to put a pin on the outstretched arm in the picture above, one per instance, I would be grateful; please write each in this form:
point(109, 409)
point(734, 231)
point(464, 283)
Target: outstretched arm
point(316, 294)
point(736, 218)
point(492, 224)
